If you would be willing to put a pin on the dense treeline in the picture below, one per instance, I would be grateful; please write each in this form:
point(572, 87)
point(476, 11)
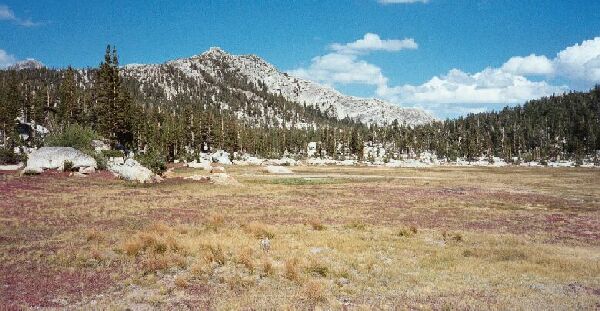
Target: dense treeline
point(548, 129)
point(227, 112)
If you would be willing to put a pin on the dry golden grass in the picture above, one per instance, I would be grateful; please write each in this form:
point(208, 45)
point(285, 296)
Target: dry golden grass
point(259, 230)
point(372, 238)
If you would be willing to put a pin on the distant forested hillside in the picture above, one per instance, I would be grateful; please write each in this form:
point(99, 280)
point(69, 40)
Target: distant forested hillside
point(566, 126)
point(237, 116)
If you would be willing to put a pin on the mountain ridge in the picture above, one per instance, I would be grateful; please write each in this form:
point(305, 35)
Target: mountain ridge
point(259, 71)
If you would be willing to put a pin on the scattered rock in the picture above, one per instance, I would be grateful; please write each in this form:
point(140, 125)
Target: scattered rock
point(14, 167)
point(116, 160)
point(198, 178)
point(55, 157)
point(199, 165)
point(87, 170)
point(78, 174)
point(223, 179)
point(316, 250)
point(278, 170)
point(283, 161)
point(265, 244)
point(343, 281)
point(134, 171)
point(221, 157)
point(100, 145)
point(217, 169)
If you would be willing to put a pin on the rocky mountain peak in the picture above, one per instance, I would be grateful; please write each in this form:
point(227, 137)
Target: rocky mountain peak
point(258, 71)
point(29, 63)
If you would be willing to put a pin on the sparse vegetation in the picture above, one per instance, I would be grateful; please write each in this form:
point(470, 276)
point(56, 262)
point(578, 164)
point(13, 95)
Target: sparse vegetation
point(68, 166)
point(8, 156)
point(316, 224)
point(75, 135)
point(196, 244)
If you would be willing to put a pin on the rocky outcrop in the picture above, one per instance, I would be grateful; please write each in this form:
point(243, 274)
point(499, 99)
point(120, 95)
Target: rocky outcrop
point(55, 158)
point(132, 170)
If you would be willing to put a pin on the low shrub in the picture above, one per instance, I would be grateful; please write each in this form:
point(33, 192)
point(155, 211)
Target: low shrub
point(8, 156)
point(214, 253)
point(67, 166)
point(259, 230)
point(75, 135)
point(457, 237)
point(407, 232)
point(112, 153)
point(154, 161)
point(356, 224)
point(314, 291)
point(215, 221)
point(317, 268)
point(245, 258)
point(316, 224)
point(290, 269)
point(100, 160)
point(267, 266)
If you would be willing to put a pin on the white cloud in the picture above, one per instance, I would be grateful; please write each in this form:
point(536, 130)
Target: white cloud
point(489, 86)
point(337, 68)
point(343, 66)
point(401, 1)
point(580, 62)
point(508, 84)
point(372, 42)
point(6, 14)
point(6, 59)
point(529, 65)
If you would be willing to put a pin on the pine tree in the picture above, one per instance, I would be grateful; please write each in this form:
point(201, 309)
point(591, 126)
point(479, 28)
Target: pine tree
point(113, 102)
point(68, 111)
point(9, 109)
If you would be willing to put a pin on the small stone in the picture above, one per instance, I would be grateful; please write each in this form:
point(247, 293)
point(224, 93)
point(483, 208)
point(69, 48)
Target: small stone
point(265, 244)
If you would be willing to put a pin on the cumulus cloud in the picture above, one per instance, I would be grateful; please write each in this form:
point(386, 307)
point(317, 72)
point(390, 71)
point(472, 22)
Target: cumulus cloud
point(401, 1)
point(529, 65)
point(580, 61)
point(344, 66)
point(6, 59)
point(372, 42)
point(491, 85)
point(6, 14)
point(578, 64)
point(337, 68)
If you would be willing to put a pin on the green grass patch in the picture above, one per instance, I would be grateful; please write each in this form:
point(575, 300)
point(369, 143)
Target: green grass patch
point(302, 181)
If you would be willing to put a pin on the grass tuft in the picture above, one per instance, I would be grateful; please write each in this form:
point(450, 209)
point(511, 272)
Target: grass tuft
point(290, 269)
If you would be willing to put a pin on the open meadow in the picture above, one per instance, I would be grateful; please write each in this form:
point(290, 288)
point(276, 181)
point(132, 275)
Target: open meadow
point(325, 237)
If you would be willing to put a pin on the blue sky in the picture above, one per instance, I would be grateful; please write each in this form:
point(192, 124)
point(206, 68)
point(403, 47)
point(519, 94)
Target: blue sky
point(449, 57)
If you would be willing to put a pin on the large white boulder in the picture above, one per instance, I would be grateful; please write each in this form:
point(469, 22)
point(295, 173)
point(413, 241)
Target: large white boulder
point(221, 157)
point(132, 170)
point(272, 169)
point(55, 158)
